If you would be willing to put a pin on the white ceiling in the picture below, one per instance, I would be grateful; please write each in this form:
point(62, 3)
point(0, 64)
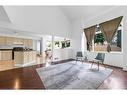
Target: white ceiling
point(39, 18)
point(72, 12)
point(76, 12)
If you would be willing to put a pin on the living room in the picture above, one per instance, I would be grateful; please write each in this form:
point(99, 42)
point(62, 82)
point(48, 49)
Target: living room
point(57, 36)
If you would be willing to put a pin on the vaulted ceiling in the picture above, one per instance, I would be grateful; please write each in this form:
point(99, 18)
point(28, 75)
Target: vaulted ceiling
point(86, 12)
point(34, 18)
point(72, 12)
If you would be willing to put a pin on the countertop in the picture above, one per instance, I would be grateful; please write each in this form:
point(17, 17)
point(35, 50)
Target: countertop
point(25, 51)
point(5, 49)
point(16, 51)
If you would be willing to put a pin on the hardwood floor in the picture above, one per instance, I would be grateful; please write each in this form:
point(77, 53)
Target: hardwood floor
point(27, 78)
point(21, 78)
point(117, 80)
point(6, 65)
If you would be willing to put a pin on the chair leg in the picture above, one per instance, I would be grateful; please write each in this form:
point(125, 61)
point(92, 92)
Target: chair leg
point(76, 60)
point(92, 65)
point(98, 65)
point(82, 61)
point(104, 66)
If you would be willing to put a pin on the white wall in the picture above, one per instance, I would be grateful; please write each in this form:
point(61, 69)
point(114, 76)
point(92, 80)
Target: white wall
point(76, 37)
point(115, 59)
point(62, 54)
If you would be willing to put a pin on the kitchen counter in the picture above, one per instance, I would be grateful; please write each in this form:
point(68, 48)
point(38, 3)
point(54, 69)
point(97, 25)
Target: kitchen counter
point(5, 49)
point(25, 51)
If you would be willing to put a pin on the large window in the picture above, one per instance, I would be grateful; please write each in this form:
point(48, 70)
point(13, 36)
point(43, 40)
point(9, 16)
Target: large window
point(100, 44)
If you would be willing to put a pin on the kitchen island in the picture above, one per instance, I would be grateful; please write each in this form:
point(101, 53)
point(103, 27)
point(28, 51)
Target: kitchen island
point(25, 57)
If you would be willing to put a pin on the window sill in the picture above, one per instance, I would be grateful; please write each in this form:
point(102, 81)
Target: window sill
point(106, 52)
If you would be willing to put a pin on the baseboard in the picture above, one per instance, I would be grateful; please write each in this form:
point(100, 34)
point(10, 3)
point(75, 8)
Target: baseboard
point(62, 61)
point(124, 69)
point(71, 59)
point(107, 65)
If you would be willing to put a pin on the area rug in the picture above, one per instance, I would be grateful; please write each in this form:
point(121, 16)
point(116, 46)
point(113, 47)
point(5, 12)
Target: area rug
point(72, 75)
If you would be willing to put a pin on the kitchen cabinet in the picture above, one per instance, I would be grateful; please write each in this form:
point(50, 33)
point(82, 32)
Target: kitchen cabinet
point(30, 56)
point(6, 55)
point(34, 53)
point(2, 40)
point(28, 42)
point(18, 41)
point(0, 55)
point(26, 57)
point(6, 40)
point(23, 58)
point(25, 42)
point(9, 40)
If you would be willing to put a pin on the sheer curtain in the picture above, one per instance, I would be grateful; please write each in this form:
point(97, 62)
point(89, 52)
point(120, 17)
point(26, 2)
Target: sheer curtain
point(109, 29)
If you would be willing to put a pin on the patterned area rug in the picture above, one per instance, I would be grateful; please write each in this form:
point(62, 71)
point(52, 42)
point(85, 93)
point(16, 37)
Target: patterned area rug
point(72, 75)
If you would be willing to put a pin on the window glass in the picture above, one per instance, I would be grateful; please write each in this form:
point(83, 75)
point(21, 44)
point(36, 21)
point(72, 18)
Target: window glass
point(100, 44)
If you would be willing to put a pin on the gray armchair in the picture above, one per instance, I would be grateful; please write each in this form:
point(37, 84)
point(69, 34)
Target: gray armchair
point(79, 56)
point(99, 59)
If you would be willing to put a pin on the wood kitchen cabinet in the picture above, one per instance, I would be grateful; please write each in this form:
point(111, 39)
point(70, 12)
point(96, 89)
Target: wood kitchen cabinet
point(0, 55)
point(13, 41)
point(2, 40)
point(9, 40)
point(18, 41)
point(30, 56)
point(25, 42)
point(28, 42)
point(6, 40)
point(26, 57)
point(6, 55)
point(34, 55)
point(23, 58)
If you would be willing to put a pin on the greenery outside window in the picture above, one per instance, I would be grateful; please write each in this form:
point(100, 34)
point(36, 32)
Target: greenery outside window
point(61, 43)
point(100, 44)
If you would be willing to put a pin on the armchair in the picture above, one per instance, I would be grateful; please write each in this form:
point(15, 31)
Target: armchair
point(99, 59)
